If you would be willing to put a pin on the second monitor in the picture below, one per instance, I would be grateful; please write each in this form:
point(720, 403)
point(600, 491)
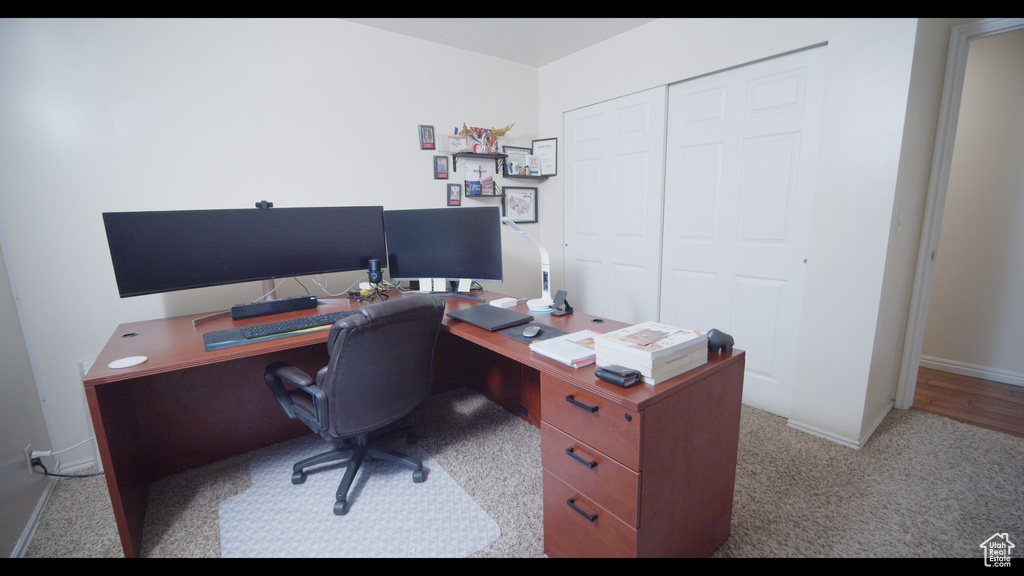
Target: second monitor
point(450, 243)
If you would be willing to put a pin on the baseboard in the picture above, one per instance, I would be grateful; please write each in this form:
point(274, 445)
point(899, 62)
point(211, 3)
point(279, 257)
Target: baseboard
point(972, 370)
point(822, 434)
point(33, 521)
point(844, 441)
point(878, 422)
point(44, 498)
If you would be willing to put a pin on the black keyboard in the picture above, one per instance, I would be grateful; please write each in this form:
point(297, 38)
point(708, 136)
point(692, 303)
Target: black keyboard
point(294, 324)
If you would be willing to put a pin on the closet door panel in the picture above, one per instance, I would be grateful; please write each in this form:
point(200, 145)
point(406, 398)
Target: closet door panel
point(615, 166)
point(739, 188)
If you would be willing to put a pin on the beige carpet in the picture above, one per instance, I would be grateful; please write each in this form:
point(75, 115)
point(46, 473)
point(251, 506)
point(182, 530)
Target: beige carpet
point(923, 487)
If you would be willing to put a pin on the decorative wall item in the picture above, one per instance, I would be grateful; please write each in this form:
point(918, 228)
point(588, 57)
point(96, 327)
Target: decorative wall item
point(546, 151)
point(426, 137)
point(533, 165)
point(519, 204)
point(484, 140)
point(457, 144)
point(479, 178)
point(440, 167)
point(515, 162)
point(455, 194)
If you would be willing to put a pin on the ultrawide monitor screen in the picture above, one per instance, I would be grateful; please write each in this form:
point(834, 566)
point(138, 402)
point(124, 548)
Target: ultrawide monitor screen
point(175, 250)
point(450, 243)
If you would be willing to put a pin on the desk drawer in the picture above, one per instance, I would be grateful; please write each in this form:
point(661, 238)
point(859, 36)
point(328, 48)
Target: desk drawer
point(600, 423)
point(591, 472)
point(576, 527)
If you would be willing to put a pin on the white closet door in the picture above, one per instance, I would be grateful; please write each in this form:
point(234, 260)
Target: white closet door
point(614, 163)
point(741, 157)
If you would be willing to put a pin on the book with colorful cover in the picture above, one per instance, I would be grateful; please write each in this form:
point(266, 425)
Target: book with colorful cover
point(651, 340)
point(575, 349)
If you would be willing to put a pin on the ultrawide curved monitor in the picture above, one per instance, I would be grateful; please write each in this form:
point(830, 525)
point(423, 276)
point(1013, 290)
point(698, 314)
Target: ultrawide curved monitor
point(156, 252)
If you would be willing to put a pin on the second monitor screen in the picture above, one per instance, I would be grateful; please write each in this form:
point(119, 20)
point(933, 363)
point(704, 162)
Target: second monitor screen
point(450, 243)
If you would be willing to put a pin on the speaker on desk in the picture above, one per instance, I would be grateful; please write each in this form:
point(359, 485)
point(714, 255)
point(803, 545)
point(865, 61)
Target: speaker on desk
point(376, 277)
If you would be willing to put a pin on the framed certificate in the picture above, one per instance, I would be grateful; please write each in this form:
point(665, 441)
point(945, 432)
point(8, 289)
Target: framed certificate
point(546, 151)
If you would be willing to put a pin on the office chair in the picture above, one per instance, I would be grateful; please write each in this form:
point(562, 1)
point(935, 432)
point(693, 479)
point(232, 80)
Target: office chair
point(378, 371)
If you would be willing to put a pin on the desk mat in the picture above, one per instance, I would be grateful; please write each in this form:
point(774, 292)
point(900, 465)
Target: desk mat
point(546, 332)
point(389, 515)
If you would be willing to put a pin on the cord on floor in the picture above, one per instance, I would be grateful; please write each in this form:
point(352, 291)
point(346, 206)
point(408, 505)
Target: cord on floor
point(38, 463)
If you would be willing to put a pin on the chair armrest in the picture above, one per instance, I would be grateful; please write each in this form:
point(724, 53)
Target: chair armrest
point(290, 374)
point(280, 372)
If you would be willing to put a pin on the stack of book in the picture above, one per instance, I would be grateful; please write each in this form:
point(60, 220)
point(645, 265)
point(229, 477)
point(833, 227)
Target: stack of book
point(658, 351)
point(575, 349)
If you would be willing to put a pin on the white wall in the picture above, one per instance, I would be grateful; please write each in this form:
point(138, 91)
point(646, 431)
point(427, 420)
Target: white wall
point(907, 220)
point(868, 78)
point(976, 313)
point(120, 114)
point(21, 422)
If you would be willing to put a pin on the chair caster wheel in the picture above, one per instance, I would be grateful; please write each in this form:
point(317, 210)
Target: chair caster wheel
point(417, 476)
point(339, 508)
point(298, 477)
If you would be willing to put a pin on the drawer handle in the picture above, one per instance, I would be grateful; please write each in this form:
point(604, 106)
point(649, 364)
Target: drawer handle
point(588, 464)
point(572, 504)
point(572, 400)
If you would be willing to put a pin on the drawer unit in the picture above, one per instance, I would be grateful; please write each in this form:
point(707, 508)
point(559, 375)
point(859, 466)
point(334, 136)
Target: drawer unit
point(641, 472)
point(591, 472)
point(590, 450)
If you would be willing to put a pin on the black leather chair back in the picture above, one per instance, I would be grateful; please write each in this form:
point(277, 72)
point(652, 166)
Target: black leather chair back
point(380, 363)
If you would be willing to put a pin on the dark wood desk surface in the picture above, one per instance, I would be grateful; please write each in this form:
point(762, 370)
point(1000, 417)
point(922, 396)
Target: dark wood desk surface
point(173, 344)
point(186, 407)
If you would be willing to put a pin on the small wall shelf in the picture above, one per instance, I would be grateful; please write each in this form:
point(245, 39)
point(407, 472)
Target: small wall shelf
point(499, 163)
point(499, 159)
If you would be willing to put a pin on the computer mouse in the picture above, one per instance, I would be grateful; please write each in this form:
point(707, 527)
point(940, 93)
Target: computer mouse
point(531, 331)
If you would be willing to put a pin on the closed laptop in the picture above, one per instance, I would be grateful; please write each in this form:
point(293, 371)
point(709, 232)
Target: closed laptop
point(490, 317)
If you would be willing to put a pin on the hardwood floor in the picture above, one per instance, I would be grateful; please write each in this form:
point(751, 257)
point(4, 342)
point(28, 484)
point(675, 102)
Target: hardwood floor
point(983, 403)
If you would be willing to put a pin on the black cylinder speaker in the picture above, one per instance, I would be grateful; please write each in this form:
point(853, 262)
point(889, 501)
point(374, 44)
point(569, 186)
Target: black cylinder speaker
point(375, 274)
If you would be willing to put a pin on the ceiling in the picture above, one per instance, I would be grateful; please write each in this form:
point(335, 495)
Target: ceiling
point(533, 41)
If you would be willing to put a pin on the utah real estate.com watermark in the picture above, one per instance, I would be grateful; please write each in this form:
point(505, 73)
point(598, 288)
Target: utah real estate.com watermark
point(997, 550)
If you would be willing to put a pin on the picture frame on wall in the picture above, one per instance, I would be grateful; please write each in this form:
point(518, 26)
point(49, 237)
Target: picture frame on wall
point(516, 163)
point(546, 151)
point(455, 194)
point(519, 204)
point(426, 137)
point(440, 167)
point(457, 144)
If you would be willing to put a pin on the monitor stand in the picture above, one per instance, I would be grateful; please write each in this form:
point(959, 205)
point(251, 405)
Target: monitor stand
point(459, 295)
point(453, 293)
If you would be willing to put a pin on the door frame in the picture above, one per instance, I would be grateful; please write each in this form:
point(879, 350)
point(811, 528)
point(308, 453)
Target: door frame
point(935, 200)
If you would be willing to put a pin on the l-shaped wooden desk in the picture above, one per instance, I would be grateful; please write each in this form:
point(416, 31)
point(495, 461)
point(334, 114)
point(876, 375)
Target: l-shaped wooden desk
point(646, 471)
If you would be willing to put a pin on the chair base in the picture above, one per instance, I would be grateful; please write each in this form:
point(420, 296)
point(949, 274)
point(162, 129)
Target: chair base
point(356, 451)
